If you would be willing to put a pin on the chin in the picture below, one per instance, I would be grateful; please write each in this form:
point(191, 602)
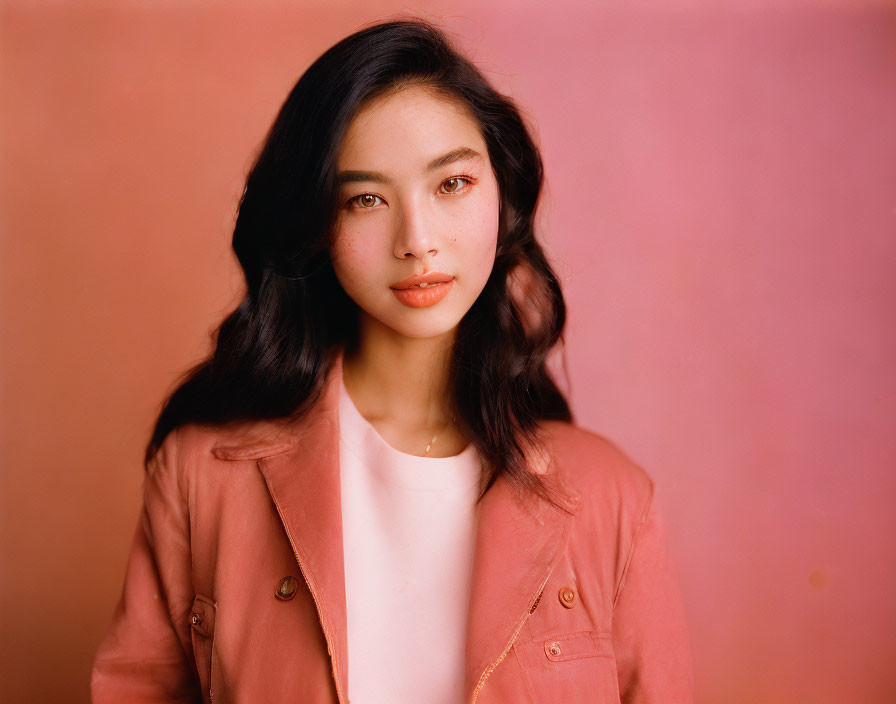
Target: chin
point(422, 323)
point(424, 330)
point(417, 323)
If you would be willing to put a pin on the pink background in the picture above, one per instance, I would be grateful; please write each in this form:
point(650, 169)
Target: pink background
point(720, 207)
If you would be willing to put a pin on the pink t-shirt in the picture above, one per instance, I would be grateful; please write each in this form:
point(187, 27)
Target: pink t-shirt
point(408, 534)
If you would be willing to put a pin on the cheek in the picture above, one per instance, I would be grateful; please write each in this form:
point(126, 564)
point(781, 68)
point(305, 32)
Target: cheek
point(349, 252)
point(479, 236)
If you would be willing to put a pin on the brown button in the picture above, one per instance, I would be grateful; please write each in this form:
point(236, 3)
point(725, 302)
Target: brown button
point(286, 590)
point(555, 649)
point(567, 597)
point(196, 619)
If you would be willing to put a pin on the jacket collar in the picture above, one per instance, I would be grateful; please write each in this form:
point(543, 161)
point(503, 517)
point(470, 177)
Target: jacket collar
point(518, 543)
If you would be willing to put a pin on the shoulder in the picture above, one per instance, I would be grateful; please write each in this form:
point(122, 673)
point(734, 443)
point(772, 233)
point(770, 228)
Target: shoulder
point(604, 477)
point(191, 446)
point(615, 497)
point(249, 440)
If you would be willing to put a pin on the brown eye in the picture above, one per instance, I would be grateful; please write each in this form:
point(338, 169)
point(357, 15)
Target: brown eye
point(453, 184)
point(365, 201)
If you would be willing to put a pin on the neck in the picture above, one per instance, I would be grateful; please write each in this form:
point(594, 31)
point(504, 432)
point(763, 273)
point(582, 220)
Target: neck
point(401, 380)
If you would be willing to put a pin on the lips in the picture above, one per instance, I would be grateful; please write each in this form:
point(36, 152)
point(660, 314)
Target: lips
point(428, 279)
point(425, 296)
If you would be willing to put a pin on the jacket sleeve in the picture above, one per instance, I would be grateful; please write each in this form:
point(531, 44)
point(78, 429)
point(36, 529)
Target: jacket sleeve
point(650, 634)
point(147, 655)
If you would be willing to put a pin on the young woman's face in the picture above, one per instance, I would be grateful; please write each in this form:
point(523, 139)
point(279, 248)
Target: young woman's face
point(417, 196)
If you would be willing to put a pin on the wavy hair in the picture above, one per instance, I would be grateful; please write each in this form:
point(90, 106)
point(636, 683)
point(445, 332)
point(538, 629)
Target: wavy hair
point(273, 352)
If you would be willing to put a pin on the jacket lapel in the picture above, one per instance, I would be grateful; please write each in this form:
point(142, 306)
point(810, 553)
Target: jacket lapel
point(518, 543)
point(304, 485)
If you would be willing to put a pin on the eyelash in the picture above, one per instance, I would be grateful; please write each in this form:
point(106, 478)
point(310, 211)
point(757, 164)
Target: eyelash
point(469, 179)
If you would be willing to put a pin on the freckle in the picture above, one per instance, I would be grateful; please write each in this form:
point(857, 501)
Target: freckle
point(818, 578)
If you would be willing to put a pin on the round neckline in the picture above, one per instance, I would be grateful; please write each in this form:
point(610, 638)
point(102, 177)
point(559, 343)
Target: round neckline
point(350, 406)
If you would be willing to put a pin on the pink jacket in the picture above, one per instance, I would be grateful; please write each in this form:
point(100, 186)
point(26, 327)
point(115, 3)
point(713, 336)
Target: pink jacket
point(234, 590)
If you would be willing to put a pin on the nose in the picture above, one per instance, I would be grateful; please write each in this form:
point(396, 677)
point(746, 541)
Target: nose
point(414, 235)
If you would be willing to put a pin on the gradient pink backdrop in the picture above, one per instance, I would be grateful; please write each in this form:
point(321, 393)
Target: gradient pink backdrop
point(720, 207)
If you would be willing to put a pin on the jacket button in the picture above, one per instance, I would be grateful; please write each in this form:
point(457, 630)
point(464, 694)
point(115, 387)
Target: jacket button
point(567, 597)
point(286, 590)
point(196, 619)
point(555, 648)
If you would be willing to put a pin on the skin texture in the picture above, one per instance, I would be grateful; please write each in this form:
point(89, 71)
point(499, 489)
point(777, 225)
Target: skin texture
point(417, 221)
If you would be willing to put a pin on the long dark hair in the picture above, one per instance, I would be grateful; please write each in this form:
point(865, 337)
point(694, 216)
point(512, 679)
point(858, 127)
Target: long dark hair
point(273, 352)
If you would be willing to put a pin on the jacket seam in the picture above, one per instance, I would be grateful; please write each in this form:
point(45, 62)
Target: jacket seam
point(179, 472)
point(631, 551)
point(181, 478)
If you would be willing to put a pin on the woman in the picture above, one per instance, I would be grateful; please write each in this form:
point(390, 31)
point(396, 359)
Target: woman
point(373, 490)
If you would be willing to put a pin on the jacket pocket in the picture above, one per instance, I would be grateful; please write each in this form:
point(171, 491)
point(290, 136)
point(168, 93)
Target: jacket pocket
point(202, 631)
point(574, 668)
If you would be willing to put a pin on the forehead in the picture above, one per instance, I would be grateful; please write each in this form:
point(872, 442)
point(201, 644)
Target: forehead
point(414, 123)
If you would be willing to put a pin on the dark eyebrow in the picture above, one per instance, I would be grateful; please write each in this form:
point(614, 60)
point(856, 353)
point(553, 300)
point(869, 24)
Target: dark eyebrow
point(454, 155)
